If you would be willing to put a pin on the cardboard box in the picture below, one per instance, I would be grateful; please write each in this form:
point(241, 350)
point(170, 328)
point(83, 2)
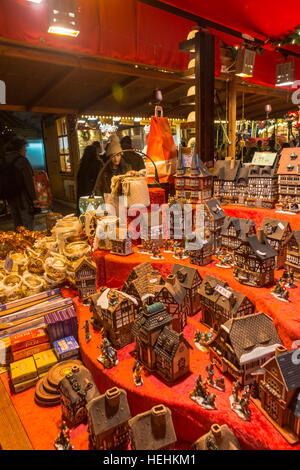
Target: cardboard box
point(28, 339)
point(25, 385)
point(45, 360)
point(61, 324)
point(66, 348)
point(30, 351)
point(23, 370)
point(5, 352)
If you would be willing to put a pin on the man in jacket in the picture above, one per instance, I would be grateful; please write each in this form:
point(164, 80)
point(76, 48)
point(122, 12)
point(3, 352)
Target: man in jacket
point(21, 204)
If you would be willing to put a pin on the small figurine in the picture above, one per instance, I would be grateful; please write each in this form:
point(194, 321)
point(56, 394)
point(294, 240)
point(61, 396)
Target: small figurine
point(220, 384)
point(180, 253)
point(137, 376)
point(62, 442)
point(201, 396)
point(241, 405)
point(109, 356)
point(198, 336)
point(156, 252)
point(224, 260)
point(168, 246)
point(290, 279)
point(280, 291)
point(86, 326)
point(211, 372)
point(235, 391)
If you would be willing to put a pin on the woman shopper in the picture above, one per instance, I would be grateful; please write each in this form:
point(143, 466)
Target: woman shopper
point(89, 168)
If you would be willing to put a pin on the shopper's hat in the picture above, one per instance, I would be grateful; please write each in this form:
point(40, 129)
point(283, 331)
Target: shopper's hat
point(114, 145)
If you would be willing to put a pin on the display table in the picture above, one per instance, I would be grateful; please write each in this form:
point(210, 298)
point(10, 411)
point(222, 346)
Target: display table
point(190, 420)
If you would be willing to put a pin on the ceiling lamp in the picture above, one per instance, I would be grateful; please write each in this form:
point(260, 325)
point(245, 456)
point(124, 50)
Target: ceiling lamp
point(35, 1)
point(245, 62)
point(63, 17)
point(285, 73)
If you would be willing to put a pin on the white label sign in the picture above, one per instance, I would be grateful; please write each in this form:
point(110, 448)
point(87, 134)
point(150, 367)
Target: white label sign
point(226, 293)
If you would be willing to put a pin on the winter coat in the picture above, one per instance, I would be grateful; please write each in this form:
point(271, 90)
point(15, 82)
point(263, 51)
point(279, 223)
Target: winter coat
point(27, 194)
point(103, 182)
point(87, 176)
point(134, 160)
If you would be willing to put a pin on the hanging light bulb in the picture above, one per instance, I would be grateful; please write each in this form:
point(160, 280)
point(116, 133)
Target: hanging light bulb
point(63, 18)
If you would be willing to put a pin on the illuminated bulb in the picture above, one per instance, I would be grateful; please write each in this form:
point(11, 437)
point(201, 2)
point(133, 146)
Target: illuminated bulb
point(63, 31)
point(35, 1)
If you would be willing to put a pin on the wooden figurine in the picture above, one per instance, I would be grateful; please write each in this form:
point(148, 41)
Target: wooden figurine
point(243, 344)
point(121, 244)
point(158, 347)
point(220, 303)
point(115, 312)
point(63, 442)
point(86, 278)
point(233, 231)
point(143, 283)
point(293, 254)
point(218, 438)
point(276, 233)
point(173, 296)
point(190, 279)
point(289, 179)
point(279, 393)
point(108, 356)
point(108, 417)
point(153, 430)
point(255, 261)
point(77, 388)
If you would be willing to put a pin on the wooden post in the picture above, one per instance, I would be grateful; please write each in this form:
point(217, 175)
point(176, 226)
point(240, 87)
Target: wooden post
point(204, 82)
point(232, 118)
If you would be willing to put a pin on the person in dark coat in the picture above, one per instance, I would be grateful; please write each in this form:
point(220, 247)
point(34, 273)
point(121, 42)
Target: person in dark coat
point(21, 205)
point(116, 167)
point(134, 160)
point(89, 168)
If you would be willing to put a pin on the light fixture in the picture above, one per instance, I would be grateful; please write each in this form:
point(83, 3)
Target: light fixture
point(285, 73)
point(63, 17)
point(35, 1)
point(245, 62)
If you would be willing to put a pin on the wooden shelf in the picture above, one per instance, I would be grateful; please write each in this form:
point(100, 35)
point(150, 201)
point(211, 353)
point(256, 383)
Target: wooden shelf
point(188, 125)
point(191, 100)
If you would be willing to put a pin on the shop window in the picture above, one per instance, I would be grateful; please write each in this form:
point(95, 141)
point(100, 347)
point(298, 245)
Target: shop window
point(63, 146)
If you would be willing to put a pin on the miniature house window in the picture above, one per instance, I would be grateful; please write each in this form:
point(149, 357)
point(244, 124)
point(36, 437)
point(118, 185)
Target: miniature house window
point(293, 156)
point(63, 146)
point(290, 167)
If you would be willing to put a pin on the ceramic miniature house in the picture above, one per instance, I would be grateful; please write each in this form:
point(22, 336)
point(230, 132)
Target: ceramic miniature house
point(233, 231)
point(293, 254)
point(151, 224)
point(153, 430)
point(200, 250)
point(179, 218)
point(279, 393)
point(214, 218)
point(108, 417)
point(76, 390)
point(173, 296)
point(225, 180)
point(243, 344)
point(220, 303)
point(143, 283)
point(255, 261)
point(262, 186)
point(276, 233)
point(115, 313)
point(158, 347)
point(190, 279)
point(289, 175)
point(86, 276)
point(121, 244)
point(218, 438)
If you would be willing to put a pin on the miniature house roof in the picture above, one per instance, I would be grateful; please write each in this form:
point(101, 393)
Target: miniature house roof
point(109, 410)
point(242, 226)
point(85, 262)
point(214, 209)
point(261, 250)
point(168, 343)
point(295, 405)
point(185, 275)
point(223, 170)
point(222, 436)
point(287, 158)
point(210, 290)
point(180, 160)
point(294, 235)
point(288, 363)
point(278, 228)
point(84, 379)
point(151, 318)
point(110, 299)
point(139, 271)
point(173, 286)
point(252, 336)
point(243, 174)
point(144, 280)
point(153, 429)
point(256, 171)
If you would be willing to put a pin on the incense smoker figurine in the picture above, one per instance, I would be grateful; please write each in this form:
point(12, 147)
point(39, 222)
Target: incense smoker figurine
point(86, 326)
point(137, 376)
point(62, 442)
point(109, 356)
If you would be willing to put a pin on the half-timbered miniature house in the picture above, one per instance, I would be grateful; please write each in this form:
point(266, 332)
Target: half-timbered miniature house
point(108, 417)
point(242, 185)
point(276, 233)
point(289, 175)
point(151, 227)
point(143, 283)
point(172, 352)
point(225, 180)
point(153, 430)
point(293, 254)
point(214, 218)
point(254, 261)
point(179, 216)
point(121, 245)
point(150, 322)
point(86, 277)
point(262, 186)
point(279, 393)
point(233, 231)
point(173, 296)
point(77, 389)
point(200, 250)
point(191, 280)
point(220, 303)
point(243, 344)
point(115, 312)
